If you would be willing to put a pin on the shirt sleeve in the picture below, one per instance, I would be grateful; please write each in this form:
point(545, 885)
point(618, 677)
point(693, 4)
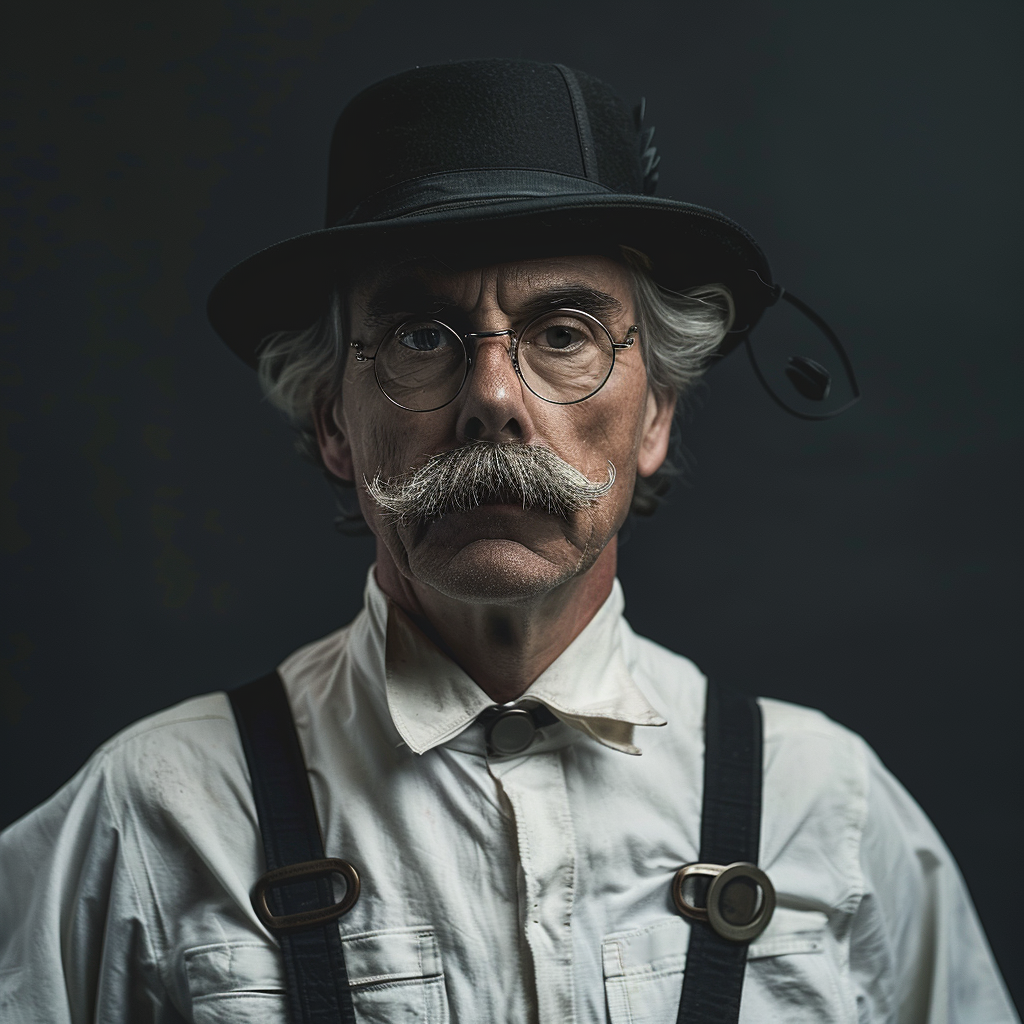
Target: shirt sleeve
point(918, 953)
point(73, 940)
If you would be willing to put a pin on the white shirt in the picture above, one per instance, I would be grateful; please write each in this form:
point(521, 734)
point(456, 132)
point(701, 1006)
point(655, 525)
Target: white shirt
point(524, 888)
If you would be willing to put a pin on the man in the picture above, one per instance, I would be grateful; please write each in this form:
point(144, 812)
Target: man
point(520, 799)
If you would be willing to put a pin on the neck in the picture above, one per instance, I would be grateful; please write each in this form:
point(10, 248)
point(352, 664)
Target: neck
point(503, 648)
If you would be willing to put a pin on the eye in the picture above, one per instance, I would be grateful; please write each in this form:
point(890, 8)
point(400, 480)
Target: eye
point(563, 335)
point(426, 337)
point(559, 337)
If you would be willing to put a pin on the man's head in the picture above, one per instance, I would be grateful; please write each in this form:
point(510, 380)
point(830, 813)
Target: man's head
point(501, 549)
point(583, 465)
point(484, 195)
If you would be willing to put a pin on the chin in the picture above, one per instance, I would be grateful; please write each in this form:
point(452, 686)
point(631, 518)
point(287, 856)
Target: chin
point(497, 571)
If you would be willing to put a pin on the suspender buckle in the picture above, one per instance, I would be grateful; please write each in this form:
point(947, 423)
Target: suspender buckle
point(296, 873)
point(740, 898)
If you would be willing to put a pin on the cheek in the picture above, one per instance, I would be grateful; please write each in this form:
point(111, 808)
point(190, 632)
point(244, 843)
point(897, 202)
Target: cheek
point(608, 430)
point(387, 440)
point(377, 449)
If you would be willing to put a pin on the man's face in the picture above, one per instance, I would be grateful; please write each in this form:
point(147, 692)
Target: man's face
point(498, 552)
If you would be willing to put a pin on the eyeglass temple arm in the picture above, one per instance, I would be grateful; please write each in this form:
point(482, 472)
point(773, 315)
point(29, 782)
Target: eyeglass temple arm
point(628, 340)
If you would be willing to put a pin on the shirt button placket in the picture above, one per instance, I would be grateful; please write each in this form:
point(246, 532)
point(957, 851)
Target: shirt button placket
point(536, 791)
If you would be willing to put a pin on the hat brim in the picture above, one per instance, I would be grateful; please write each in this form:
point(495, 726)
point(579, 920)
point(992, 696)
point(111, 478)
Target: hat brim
point(287, 286)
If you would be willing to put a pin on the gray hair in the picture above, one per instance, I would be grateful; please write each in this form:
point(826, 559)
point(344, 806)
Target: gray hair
point(301, 371)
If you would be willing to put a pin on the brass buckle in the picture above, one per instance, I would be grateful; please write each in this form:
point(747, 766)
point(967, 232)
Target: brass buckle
point(736, 915)
point(298, 872)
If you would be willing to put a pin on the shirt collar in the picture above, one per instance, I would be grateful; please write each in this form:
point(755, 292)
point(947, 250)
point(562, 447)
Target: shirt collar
point(589, 686)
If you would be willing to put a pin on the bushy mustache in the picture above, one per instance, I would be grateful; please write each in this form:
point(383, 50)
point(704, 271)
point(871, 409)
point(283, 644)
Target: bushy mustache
point(465, 478)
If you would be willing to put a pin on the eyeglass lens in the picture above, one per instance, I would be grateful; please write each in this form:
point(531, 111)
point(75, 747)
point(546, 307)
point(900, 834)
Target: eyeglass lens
point(421, 366)
point(563, 357)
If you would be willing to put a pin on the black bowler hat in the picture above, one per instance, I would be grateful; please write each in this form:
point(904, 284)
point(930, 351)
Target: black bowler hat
point(481, 161)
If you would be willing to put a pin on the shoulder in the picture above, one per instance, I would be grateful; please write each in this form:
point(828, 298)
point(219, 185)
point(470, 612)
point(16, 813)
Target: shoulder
point(168, 744)
point(792, 734)
point(813, 767)
point(188, 746)
point(209, 711)
point(184, 757)
point(154, 775)
point(795, 735)
point(159, 752)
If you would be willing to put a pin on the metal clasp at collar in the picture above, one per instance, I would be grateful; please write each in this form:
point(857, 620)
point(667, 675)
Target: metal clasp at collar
point(740, 899)
point(511, 728)
point(300, 872)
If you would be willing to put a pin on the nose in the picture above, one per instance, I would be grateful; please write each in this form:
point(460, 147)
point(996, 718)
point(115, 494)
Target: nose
point(493, 407)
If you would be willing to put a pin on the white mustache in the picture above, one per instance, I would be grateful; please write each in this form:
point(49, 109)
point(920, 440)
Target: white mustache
point(465, 478)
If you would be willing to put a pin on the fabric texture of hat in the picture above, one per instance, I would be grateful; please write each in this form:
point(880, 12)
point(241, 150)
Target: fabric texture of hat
point(484, 161)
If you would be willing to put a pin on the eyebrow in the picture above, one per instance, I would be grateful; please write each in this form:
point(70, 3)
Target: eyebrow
point(572, 295)
point(413, 295)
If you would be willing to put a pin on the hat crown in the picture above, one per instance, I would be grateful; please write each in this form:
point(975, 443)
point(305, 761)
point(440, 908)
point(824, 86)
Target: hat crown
point(482, 162)
point(480, 115)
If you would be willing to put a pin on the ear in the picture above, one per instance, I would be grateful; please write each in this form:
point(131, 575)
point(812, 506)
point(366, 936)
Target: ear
point(335, 449)
point(657, 430)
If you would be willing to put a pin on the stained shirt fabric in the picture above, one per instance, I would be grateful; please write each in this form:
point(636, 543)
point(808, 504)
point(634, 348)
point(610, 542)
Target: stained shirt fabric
point(526, 888)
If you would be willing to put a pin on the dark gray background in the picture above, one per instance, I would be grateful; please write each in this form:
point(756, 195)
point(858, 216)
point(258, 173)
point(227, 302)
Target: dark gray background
point(162, 540)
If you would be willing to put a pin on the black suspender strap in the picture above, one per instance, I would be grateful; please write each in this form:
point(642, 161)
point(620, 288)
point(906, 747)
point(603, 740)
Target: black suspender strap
point(294, 899)
point(739, 899)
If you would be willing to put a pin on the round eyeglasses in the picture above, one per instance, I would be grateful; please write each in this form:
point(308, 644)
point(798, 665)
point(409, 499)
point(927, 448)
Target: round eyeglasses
point(563, 356)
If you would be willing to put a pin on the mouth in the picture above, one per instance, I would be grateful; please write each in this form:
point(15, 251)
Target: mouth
point(506, 508)
point(492, 521)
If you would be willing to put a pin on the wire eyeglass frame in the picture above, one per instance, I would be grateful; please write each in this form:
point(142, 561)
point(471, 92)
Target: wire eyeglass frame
point(513, 350)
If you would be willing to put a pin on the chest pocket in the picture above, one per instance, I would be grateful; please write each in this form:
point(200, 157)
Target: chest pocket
point(395, 976)
point(789, 975)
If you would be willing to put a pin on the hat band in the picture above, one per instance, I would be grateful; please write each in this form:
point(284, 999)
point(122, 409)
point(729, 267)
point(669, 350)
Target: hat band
point(450, 189)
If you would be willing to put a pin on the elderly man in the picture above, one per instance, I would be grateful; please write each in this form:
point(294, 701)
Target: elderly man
point(441, 812)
